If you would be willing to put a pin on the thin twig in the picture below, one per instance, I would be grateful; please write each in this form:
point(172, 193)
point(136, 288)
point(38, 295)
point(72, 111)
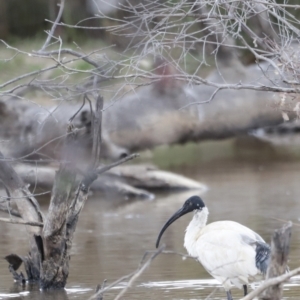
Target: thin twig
point(99, 289)
point(43, 146)
point(97, 131)
point(212, 293)
point(84, 57)
point(139, 272)
point(102, 291)
point(270, 282)
point(119, 162)
point(155, 253)
point(51, 33)
point(6, 220)
point(183, 255)
point(10, 211)
point(202, 102)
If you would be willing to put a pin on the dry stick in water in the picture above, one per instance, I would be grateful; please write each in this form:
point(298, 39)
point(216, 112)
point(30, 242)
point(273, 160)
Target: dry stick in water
point(211, 294)
point(271, 282)
point(280, 248)
point(102, 291)
point(139, 272)
point(99, 289)
point(134, 275)
point(271, 289)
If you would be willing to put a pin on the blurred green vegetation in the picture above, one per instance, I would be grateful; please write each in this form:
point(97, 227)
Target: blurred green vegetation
point(22, 18)
point(27, 18)
point(19, 18)
point(23, 25)
point(243, 148)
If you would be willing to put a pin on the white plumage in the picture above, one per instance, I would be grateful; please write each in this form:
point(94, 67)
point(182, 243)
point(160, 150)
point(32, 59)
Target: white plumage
point(232, 253)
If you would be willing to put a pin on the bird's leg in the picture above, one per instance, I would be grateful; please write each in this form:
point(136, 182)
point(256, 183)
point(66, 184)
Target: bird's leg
point(245, 289)
point(229, 297)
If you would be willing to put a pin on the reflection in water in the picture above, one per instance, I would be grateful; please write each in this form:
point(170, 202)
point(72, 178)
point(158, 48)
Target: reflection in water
point(112, 238)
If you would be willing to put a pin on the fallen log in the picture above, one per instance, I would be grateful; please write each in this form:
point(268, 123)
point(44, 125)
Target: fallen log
point(163, 115)
point(130, 181)
point(150, 177)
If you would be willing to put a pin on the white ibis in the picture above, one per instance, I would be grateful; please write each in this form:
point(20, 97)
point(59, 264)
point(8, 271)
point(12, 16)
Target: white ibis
point(230, 252)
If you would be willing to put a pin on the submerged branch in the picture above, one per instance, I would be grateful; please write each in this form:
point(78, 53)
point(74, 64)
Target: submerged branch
point(133, 276)
point(139, 272)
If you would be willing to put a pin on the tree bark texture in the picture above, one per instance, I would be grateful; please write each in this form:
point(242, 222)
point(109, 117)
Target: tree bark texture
point(55, 267)
point(28, 209)
point(48, 260)
point(280, 248)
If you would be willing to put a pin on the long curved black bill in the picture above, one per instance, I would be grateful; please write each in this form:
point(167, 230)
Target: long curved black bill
point(182, 211)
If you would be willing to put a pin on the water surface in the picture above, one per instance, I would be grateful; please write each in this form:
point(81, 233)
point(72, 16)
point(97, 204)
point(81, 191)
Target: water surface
point(257, 190)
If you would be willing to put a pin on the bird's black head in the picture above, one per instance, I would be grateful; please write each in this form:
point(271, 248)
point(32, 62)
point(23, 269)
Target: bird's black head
point(191, 204)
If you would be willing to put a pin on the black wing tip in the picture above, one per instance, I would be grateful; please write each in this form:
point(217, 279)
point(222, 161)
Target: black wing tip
point(262, 258)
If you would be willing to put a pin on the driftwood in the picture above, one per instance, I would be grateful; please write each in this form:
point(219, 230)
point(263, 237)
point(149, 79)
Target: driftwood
point(120, 189)
point(43, 176)
point(127, 181)
point(150, 177)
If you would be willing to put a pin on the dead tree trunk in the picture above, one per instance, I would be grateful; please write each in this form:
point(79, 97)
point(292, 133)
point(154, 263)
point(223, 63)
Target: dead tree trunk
point(28, 209)
point(280, 247)
point(49, 256)
point(55, 270)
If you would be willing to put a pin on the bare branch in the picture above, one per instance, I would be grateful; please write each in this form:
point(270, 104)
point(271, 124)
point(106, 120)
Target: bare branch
point(139, 272)
point(84, 57)
point(97, 131)
point(271, 282)
point(10, 211)
point(133, 276)
point(51, 33)
point(117, 163)
point(6, 220)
